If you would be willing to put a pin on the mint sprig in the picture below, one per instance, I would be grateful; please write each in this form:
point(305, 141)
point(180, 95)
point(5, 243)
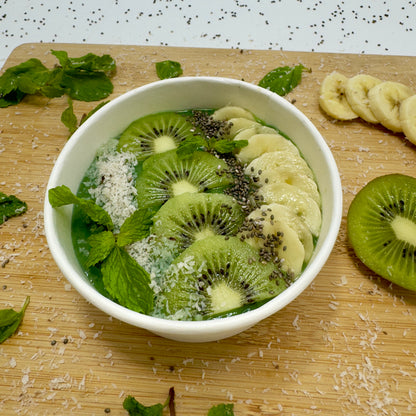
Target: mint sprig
point(227, 146)
point(62, 195)
point(10, 206)
point(135, 408)
point(10, 320)
point(123, 278)
point(69, 119)
point(284, 79)
point(207, 144)
point(86, 78)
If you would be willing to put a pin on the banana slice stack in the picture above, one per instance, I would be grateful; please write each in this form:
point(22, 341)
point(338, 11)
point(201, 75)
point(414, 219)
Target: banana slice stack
point(389, 103)
point(285, 226)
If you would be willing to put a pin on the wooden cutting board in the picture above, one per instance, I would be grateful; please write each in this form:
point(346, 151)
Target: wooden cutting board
point(346, 346)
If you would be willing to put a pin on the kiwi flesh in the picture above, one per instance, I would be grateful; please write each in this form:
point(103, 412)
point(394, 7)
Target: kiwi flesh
point(215, 275)
point(156, 133)
point(189, 217)
point(165, 175)
point(381, 225)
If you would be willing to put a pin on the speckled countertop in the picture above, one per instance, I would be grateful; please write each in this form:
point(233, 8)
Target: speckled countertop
point(353, 26)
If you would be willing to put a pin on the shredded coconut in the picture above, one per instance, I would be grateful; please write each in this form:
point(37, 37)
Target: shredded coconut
point(113, 186)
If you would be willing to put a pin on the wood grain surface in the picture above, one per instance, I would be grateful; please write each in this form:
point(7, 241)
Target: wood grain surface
point(346, 346)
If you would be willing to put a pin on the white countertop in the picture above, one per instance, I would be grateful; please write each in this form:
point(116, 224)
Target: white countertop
point(353, 26)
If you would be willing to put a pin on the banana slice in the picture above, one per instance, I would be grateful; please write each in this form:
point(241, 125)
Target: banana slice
point(286, 215)
point(259, 144)
point(284, 159)
point(332, 97)
point(385, 100)
point(228, 112)
point(255, 129)
point(238, 124)
point(356, 91)
point(288, 175)
point(408, 118)
point(275, 238)
point(297, 200)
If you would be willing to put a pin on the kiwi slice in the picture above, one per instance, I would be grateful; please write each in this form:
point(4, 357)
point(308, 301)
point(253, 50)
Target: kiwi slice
point(381, 225)
point(165, 175)
point(155, 133)
point(189, 217)
point(215, 275)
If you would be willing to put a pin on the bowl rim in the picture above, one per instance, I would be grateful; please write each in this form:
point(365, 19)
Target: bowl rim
point(168, 327)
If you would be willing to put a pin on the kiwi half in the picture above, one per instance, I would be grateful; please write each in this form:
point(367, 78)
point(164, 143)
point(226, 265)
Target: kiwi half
point(189, 217)
point(216, 275)
point(165, 175)
point(381, 226)
point(155, 133)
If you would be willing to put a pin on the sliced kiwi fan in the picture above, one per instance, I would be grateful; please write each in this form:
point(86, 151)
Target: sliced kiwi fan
point(187, 218)
point(382, 228)
point(215, 275)
point(166, 175)
point(156, 133)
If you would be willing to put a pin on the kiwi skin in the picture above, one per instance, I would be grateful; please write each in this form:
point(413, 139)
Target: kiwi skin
point(371, 233)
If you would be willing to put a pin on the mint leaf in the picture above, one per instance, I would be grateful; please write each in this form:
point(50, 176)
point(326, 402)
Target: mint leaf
point(101, 245)
point(282, 80)
point(32, 81)
point(127, 281)
point(88, 62)
point(10, 206)
point(137, 409)
point(191, 145)
point(86, 78)
point(135, 227)
point(86, 86)
point(221, 410)
point(29, 75)
point(70, 120)
point(10, 321)
point(68, 117)
point(12, 98)
point(62, 195)
point(227, 146)
point(52, 88)
point(168, 69)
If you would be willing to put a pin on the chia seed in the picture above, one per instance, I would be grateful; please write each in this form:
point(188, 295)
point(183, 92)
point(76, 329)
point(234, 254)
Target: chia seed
point(211, 128)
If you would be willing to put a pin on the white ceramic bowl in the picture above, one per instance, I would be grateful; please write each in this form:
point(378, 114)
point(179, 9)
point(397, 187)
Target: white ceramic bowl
point(179, 94)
